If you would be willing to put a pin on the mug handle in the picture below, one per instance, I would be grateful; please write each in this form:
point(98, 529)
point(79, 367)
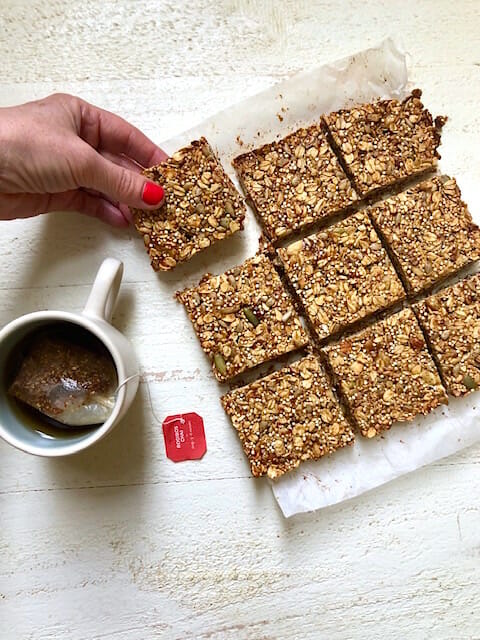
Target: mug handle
point(104, 292)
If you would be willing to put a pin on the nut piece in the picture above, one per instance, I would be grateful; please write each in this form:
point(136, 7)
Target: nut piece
point(341, 275)
point(396, 381)
point(451, 320)
point(385, 142)
point(294, 182)
point(281, 421)
point(429, 230)
point(201, 206)
point(243, 317)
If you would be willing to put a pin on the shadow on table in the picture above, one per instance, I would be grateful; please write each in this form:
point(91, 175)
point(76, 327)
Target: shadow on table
point(66, 238)
point(62, 248)
point(118, 460)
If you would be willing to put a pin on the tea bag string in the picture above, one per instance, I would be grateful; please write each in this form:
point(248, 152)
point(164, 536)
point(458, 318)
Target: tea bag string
point(126, 381)
point(142, 378)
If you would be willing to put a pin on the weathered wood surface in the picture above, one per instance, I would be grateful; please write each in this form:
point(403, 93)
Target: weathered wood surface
point(118, 543)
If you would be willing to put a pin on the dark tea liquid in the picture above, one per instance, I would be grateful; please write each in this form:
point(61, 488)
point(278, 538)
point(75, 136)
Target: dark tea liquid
point(38, 422)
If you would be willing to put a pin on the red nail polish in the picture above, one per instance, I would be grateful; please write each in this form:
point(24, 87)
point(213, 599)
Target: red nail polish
point(152, 193)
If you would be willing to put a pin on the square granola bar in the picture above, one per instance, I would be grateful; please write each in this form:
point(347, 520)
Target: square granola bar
point(244, 317)
point(201, 206)
point(384, 142)
point(451, 321)
point(341, 275)
point(294, 182)
point(429, 231)
point(290, 416)
point(386, 373)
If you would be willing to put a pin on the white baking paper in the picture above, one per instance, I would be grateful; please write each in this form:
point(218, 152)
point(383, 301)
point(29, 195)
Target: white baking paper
point(300, 100)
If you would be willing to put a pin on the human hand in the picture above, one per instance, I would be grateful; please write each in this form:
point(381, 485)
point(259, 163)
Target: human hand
point(63, 154)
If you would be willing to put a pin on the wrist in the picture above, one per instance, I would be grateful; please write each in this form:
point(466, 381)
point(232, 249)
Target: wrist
point(7, 143)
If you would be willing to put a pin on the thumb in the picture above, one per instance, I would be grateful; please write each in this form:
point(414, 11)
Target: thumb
point(120, 184)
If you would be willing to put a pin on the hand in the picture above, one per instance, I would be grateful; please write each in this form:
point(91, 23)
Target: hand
point(64, 154)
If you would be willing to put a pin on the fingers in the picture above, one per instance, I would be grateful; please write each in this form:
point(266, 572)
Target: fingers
point(28, 205)
point(121, 160)
point(118, 183)
point(125, 210)
point(105, 130)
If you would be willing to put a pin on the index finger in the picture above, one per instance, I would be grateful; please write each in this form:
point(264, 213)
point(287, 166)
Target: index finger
point(104, 130)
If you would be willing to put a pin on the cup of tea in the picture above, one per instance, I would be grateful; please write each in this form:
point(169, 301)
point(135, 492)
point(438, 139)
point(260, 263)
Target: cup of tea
point(33, 350)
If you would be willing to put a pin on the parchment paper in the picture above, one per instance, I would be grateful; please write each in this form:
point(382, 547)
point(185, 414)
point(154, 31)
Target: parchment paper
point(378, 72)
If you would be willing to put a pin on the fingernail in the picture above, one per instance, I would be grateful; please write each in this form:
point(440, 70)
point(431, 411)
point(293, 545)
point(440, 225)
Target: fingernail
point(152, 193)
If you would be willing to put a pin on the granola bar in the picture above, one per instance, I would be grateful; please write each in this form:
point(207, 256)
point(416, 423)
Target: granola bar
point(294, 182)
point(429, 231)
point(451, 321)
point(384, 142)
point(201, 206)
point(341, 274)
point(243, 317)
point(386, 374)
point(290, 416)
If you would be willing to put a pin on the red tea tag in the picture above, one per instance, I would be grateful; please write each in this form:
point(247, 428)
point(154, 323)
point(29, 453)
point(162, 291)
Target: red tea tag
point(184, 437)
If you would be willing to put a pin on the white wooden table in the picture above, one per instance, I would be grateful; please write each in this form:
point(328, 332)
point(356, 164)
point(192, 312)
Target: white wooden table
point(118, 543)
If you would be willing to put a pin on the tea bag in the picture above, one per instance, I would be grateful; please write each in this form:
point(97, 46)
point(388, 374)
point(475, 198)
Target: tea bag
point(71, 382)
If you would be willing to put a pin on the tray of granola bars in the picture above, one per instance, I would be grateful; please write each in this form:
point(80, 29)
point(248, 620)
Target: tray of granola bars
point(345, 346)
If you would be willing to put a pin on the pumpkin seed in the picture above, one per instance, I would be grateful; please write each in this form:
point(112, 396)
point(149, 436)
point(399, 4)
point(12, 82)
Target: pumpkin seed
point(225, 222)
point(251, 317)
point(469, 382)
point(220, 364)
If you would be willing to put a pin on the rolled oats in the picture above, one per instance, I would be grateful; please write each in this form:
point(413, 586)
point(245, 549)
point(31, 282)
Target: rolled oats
point(294, 182)
point(384, 142)
point(290, 416)
point(429, 231)
point(201, 207)
point(451, 320)
point(386, 374)
point(243, 317)
point(341, 275)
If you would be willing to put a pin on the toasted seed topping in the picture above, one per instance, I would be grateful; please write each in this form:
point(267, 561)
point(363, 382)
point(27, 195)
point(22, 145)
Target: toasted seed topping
point(469, 382)
point(251, 317)
point(220, 363)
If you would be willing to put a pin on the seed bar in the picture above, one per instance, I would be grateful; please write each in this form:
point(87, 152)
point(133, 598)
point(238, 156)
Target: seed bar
point(451, 320)
point(429, 231)
point(384, 142)
point(290, 416)
point(201, 207)
point(244, 317)
point(386, 373)
point(294, 182)
point(341, 275)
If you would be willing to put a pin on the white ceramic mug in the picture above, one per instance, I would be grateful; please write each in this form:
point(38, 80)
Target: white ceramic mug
point(95, 318)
